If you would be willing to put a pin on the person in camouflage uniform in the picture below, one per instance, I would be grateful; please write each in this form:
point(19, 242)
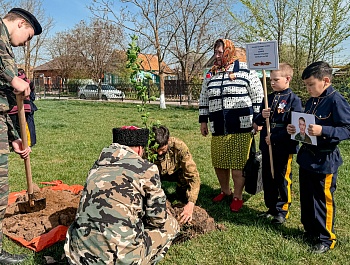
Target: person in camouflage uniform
point(16, 29)
point(175, 163)
point(122, 216)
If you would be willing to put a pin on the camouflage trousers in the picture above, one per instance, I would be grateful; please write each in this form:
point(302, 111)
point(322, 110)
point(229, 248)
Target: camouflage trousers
point(155, 245)
point(4, 191)
point(4, 186)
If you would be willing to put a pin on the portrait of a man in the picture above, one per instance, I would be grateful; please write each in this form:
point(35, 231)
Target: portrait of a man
point(302, 135)
point(301, 122)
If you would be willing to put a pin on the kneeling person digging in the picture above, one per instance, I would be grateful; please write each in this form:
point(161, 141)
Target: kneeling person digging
point(175, 164)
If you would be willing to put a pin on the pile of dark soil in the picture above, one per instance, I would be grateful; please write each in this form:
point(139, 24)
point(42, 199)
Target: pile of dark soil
point(201, 223)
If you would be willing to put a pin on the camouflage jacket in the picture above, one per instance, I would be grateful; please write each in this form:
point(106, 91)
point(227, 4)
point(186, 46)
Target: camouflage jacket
point(8, 70)
point(178, 162)
point(121, 196)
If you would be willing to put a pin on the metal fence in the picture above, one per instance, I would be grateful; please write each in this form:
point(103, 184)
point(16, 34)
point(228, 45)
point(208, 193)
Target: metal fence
point(175, 90)
point(178, 90)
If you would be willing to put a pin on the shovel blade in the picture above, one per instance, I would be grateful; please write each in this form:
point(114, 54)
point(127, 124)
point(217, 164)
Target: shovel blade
point(34, 206)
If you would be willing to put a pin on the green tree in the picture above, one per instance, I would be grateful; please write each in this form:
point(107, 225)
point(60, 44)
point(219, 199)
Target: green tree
point(142, 92)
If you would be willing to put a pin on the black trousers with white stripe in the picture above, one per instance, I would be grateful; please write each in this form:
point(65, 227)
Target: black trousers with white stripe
point(317, 205)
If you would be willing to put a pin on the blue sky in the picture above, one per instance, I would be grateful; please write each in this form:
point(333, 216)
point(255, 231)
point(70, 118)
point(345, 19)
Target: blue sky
point(66, 13)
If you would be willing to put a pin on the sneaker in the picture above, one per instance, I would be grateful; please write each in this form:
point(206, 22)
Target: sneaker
point(278, 220)
point(7, 258)
point(221, 196)
point(320, 248)
point(236, 204)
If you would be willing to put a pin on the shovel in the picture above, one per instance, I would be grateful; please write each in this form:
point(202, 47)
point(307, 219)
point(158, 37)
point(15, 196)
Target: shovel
point(32, 205)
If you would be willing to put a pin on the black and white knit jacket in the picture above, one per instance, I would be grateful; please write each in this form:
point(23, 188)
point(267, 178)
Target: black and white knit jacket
point(229, 104)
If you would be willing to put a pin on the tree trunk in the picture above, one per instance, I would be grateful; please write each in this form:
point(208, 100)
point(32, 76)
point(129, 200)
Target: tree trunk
point(99, 91)
point(162, 90)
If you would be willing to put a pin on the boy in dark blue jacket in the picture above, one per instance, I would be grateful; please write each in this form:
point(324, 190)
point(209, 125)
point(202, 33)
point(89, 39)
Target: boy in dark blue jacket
point(319, 164)
point(277, 188)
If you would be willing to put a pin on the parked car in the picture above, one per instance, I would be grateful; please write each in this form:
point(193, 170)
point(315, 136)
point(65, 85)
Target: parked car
point(107, 92)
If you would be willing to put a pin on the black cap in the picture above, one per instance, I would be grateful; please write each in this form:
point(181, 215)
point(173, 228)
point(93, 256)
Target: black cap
point(29, 18)
point(130, 136)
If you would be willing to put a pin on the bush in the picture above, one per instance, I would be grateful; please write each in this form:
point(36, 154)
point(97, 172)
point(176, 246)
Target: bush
point(342, 84)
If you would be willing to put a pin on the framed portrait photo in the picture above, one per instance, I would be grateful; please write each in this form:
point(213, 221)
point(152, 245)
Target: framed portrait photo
point(301, 122)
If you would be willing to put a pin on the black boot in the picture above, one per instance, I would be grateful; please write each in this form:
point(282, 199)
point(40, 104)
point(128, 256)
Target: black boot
point(7, 258)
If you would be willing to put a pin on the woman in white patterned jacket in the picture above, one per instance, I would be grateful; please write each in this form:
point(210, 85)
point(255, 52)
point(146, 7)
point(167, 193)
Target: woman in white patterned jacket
point(230, 98)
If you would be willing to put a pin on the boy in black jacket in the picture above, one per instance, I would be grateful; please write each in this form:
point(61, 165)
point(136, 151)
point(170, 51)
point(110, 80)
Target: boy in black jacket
point(277, 188)
point(319, 164)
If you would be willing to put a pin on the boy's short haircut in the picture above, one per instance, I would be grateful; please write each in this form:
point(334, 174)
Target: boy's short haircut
point(30, 19)
point(285, 69)
point(13, 16)
point(318, 70)
point(161, 135)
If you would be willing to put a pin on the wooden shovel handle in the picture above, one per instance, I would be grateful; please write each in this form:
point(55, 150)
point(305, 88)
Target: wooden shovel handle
point(22, 126)
point(268, 123)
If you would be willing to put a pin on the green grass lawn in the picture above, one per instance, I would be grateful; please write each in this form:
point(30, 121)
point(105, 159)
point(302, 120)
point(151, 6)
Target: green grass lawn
point(71, 134)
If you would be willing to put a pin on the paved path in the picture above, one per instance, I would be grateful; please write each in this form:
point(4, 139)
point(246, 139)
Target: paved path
point(156, 102)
